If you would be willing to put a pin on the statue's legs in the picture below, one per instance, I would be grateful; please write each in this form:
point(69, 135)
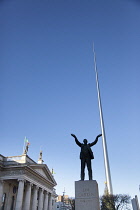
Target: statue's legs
point(88, 161)
point(83, 163)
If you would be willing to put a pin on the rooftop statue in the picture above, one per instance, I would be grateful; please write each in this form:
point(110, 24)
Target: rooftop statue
point(26, 149)
point(86, 155)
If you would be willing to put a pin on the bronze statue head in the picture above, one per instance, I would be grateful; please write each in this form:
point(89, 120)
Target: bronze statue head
point(85, 141)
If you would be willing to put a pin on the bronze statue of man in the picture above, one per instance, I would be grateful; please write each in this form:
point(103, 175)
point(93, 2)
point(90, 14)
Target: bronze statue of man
point(86, 155)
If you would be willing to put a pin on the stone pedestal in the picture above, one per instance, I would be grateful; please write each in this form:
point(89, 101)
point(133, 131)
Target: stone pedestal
point(86, 195)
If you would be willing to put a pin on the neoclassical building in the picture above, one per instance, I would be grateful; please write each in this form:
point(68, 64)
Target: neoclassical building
point(25, 184)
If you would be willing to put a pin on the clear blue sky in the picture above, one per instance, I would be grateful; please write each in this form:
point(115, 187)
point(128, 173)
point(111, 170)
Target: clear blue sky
point(48, 89)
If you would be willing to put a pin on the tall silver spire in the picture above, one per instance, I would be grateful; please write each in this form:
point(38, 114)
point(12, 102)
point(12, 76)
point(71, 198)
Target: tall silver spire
point(106, 160)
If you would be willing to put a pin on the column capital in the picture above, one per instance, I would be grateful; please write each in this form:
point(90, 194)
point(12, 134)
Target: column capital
point(46, 192)
point(29, 184)
point(35, 187)
point(2, 181)
point(41, 189)
point(21, 180)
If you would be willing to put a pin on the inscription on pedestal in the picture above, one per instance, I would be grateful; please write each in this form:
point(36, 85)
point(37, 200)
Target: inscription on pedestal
point(86, 193)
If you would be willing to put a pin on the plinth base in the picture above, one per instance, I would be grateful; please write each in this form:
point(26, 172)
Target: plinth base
point(86, 195)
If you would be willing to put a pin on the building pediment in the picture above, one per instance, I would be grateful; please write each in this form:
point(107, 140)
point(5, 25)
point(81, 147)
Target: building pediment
point(43, 171)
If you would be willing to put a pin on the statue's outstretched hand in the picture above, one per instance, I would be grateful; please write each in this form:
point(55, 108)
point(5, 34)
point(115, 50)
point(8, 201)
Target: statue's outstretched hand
point(73, 135)
point(99, 135)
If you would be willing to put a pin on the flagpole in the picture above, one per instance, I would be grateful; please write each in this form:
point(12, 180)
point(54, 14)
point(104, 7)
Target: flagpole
point(105, 152)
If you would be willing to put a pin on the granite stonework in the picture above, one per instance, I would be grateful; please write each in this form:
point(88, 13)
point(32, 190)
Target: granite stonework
point(86, 195)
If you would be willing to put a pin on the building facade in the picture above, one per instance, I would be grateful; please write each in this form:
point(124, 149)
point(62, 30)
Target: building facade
point(63, 202)
point(25, 184)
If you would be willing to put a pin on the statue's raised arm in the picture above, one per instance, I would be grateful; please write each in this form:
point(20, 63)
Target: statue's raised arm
point(96, 140)
point(76, 140)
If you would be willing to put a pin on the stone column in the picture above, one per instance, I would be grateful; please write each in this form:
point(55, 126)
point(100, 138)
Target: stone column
point(45, 201)
point(54, 203)
point(50, 202)
point(27, 197)
point(40, 200)
point(19, 199)
point(34, 202)
point(1, 191)
point(9, 197)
